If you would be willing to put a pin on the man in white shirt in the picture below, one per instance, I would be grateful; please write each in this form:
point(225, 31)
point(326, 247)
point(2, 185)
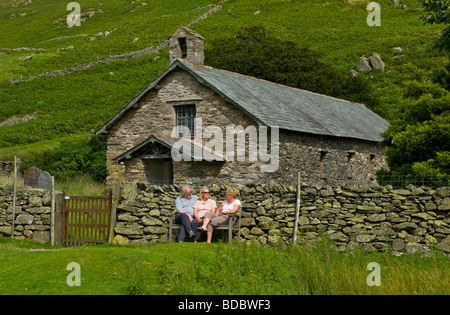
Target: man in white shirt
point(184, 208)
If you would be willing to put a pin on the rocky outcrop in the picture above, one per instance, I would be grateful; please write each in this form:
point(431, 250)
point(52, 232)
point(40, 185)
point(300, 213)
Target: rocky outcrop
point(367, 64)
point(376, 62)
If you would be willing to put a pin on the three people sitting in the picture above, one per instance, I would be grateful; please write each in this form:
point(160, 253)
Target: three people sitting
point(204, 212)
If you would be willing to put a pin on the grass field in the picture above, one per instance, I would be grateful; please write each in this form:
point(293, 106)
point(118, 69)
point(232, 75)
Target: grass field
point(189, 268)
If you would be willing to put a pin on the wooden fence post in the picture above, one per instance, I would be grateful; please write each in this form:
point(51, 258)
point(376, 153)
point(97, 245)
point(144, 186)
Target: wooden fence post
point(52, 226)
point(113, 214)
point(297, 209)
point(13, 229)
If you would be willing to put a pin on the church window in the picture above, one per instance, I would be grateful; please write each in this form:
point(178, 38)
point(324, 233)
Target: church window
point(324, 163)
point(183, 47)
point(185, 119)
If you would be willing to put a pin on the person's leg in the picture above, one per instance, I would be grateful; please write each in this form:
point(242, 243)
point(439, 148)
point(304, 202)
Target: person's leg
point(197, 234)
point(205, 223)
point(209, 236)
point(182, 234)
point(218, 220)
point(206, 219)
point(183, 219)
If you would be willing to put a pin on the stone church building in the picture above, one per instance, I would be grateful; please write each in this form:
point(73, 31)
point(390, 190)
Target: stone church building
point(200, 125)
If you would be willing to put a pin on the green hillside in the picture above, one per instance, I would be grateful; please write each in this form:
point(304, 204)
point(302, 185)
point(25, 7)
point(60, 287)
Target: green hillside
point(67, 106)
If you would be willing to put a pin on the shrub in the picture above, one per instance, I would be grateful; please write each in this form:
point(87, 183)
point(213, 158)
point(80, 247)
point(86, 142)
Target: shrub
point(255, 53)
point(85, 157)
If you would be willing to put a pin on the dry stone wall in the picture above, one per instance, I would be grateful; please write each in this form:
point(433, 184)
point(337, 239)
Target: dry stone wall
point(33, 211)
point(376, 218)
point(7, 167)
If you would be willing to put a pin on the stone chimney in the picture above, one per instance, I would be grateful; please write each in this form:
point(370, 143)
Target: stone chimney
point(186, 45)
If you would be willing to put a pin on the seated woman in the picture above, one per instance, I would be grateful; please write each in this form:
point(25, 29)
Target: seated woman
point(201, 207)
point(212, 220)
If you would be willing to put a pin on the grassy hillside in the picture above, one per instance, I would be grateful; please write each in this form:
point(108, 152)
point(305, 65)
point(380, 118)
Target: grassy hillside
point(78, 102)
point(44, 26)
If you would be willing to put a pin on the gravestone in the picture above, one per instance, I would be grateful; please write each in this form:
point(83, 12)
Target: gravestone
point(31, 176)
point(45, 180)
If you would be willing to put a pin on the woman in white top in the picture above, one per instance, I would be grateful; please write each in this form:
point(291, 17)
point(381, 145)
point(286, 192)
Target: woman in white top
point(212, 220)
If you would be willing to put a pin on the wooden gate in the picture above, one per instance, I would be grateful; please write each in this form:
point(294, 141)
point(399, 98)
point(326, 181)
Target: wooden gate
point(85, 219)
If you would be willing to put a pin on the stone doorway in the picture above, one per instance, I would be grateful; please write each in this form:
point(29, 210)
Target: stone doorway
point(159, 171)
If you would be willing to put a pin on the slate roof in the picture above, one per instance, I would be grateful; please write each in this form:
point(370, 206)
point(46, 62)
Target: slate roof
point(271, 104)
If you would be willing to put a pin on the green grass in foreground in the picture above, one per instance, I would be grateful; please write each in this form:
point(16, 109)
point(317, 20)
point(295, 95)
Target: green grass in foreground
point(189, 268)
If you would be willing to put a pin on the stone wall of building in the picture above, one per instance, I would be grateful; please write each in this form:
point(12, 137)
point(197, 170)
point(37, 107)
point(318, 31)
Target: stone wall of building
point(193, 46)
point(326, 160)
point(155, 115)
point(377, 218)
point(321, 160)
point(33, 211)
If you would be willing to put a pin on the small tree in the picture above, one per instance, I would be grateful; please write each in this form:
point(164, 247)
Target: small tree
point(71, 158)
point(438, 12)
point(255, 53)
point(417, 141)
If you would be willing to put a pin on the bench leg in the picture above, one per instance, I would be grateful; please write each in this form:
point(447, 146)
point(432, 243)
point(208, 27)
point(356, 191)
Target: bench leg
point(230, 231)
point(239, 231)
point(170, 231)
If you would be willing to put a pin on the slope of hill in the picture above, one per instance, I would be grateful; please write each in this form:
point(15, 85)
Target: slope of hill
point(74, 101)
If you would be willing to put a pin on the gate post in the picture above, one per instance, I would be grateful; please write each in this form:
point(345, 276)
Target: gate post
point(58, 217)
point(113, 212)
point(63, 219)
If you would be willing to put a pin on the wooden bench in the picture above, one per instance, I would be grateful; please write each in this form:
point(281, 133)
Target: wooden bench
point(233, 224)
